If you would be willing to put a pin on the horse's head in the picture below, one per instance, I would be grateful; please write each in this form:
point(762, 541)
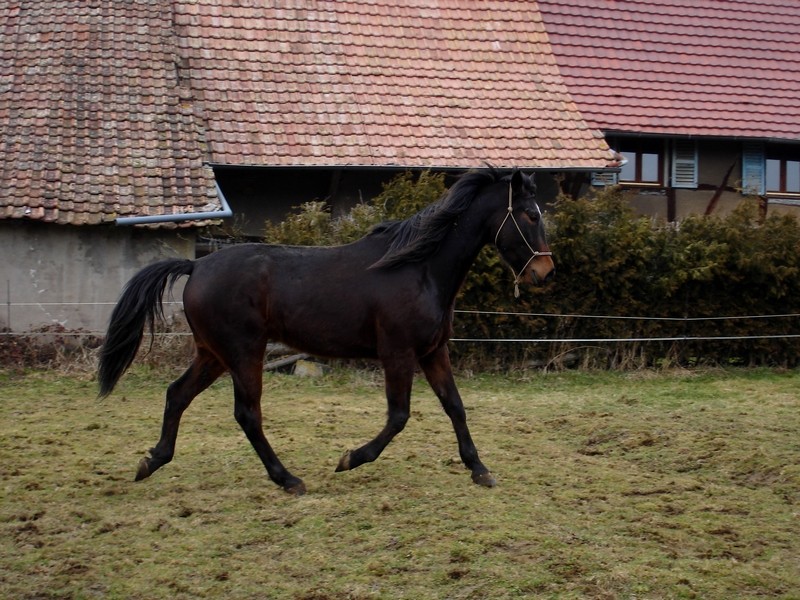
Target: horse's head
point(519, 236)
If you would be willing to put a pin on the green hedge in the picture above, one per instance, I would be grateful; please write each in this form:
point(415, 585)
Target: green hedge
point(611, 263)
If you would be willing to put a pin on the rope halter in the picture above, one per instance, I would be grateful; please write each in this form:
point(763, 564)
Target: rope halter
point(534, 253)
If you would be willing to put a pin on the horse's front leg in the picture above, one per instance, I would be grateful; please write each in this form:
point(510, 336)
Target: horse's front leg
point(399, 376)
point(439, 373)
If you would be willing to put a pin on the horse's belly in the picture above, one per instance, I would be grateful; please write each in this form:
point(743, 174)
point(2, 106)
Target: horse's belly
point(337, 334)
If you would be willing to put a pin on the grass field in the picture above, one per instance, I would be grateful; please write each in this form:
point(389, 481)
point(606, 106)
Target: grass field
point(611, 485)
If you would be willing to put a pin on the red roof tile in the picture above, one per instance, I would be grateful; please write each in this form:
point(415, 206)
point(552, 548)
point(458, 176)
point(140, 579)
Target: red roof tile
point(93, 122)
point(689, 67)
point(412, 83)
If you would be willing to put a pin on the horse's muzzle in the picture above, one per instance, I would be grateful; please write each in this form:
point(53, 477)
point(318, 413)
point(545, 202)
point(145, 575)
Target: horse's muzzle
point(541, 270)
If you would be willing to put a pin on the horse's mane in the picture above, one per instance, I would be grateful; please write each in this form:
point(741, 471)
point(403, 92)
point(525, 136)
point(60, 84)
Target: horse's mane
point(418, 236)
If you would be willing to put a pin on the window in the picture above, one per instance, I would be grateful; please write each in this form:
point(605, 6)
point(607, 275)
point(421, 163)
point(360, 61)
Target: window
point(645, 163)
point(772, 169)
point(645, 166)
point(783, 174)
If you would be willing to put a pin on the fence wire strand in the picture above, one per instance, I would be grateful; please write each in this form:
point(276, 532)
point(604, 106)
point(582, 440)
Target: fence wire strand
point(67, 333)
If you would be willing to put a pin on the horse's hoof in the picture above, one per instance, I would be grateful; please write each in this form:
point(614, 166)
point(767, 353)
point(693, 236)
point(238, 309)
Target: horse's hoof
point(344, 462)
point(296, 489)
point(485, 479)
point(143, 472)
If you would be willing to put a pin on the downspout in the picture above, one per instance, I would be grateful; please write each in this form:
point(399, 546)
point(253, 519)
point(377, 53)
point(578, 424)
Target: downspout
point(193, 216)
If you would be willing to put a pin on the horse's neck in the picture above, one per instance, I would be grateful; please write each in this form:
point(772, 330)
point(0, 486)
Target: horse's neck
point(458, 252)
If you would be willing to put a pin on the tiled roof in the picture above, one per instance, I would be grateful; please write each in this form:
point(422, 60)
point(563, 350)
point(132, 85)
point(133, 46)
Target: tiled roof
point(111, 109)
point(692, 67)
point(93, 122)
point(430, 83)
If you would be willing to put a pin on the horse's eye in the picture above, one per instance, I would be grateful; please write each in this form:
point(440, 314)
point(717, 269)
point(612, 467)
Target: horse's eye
point(532, 214)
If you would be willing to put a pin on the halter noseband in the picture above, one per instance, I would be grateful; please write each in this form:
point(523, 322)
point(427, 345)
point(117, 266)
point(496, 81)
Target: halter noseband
point(534, 253)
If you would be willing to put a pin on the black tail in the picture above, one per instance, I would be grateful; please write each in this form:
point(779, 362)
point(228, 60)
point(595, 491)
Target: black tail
point(140, 303)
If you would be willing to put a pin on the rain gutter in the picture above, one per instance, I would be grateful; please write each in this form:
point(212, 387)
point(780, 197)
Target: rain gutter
point(175, 218)
point(398, 167)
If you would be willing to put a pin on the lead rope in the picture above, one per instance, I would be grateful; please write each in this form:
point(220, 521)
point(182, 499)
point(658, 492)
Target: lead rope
point(534, 253)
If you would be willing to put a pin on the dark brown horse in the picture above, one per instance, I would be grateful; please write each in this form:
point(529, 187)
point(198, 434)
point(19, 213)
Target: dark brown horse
point(388, 296)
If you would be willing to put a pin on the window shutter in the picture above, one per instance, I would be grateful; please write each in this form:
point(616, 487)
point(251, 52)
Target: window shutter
point(753, 168)
point(604, 178)
point(684, 164)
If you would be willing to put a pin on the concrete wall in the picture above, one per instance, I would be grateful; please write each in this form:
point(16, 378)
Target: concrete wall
point(72, 276)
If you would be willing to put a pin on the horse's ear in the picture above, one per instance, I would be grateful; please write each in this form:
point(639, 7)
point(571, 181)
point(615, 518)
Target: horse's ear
point(517, 181)
point(521, 183)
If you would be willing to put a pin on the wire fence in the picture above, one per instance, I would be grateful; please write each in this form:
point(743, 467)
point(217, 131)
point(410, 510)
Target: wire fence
point(44, 331)
point(653, 319)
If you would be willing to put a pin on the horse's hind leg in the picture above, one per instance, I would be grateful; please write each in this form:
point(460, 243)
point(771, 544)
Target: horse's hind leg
point(247, 411)
point(440, 376)
point(204, 370)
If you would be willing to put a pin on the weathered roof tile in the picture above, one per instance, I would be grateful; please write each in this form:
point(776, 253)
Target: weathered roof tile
point(92, 125)
point(417, 84)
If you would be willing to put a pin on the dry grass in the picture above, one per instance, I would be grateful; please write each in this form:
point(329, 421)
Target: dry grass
point(640, 485)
